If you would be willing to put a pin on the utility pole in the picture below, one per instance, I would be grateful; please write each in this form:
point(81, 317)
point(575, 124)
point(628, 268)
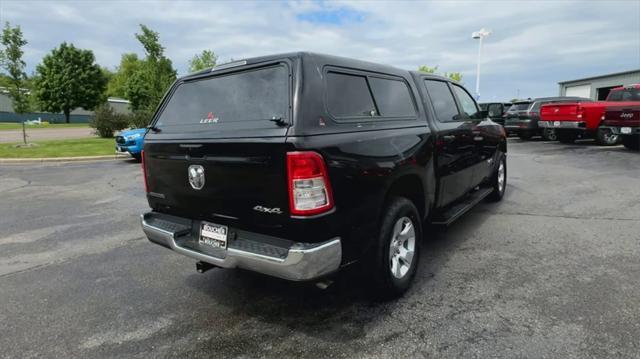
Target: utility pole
point(479, 35)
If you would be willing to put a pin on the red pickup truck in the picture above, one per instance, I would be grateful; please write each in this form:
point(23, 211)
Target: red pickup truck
point(624, 121)
point(584, 120)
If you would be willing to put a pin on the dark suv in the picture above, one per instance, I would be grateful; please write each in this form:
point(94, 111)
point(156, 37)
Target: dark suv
point(299, 164)
point(523, 116)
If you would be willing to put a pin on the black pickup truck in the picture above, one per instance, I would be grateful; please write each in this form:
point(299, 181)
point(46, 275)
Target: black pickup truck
point(299, 164)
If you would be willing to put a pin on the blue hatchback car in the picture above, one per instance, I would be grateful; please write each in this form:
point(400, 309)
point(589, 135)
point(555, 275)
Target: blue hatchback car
point(131, 141)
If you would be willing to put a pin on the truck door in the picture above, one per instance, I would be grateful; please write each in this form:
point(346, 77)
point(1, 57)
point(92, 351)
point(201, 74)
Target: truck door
point(455, 149)
point(486, 135)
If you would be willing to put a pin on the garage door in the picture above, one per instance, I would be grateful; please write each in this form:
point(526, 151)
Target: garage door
point(579, 91)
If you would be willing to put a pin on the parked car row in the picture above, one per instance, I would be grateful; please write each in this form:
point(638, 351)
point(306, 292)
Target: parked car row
point(575, 120)
point(566, 119)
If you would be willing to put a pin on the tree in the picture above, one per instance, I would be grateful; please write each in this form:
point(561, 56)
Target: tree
point(147, 85)
point(455, 76)
point(129, 65)
point(69, 78)
point(427, 69)
point(205, 60)
point(12, 63)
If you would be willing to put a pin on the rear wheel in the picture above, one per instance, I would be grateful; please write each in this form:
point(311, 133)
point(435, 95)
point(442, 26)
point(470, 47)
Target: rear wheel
point(398, 248)
point(549, 134)
point(137, 156)
point(499, 181)
point(605, 137)
point(566, 137)
point(631, 142)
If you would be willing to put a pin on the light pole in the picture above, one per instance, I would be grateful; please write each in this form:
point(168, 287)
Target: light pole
point(479, 35)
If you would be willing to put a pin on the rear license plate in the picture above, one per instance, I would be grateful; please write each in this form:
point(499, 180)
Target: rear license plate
point(556, 123)
point(214, 235)
point(625, 130)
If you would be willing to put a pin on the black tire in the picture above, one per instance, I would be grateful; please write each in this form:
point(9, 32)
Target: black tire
point(631, 142)
point(498, 188)
point(605, 137)
point(566, 137)
point(549, 134)
point(137, 156)
point(525, 136)
point(386, 284)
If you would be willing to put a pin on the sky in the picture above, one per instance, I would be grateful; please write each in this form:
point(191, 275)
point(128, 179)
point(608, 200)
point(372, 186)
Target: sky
point(533, 44)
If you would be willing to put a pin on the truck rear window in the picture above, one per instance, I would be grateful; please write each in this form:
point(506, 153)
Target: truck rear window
point(629, 94)
point(519, 106)
point(235, 101)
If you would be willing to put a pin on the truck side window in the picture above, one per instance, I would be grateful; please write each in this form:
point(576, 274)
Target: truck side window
point(442, 100)
point(468, 104)
point(349, 96)
point(392, 97)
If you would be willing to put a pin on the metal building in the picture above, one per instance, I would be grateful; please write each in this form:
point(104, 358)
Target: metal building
point(598, 87)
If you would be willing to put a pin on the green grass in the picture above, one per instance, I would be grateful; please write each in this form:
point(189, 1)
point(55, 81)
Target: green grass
point(18, 126)
point(60, 148)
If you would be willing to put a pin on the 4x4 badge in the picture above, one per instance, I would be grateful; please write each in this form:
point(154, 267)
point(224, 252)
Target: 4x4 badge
point(196, 176)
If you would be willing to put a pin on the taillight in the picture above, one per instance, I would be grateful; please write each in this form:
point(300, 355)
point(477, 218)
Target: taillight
point(579, 111)
point(309, 187)
point(144, 172)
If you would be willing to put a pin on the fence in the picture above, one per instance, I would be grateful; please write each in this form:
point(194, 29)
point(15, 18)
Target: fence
point(50, 117)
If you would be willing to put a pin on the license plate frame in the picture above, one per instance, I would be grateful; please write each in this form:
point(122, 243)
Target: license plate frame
point(213, 235)
point(625, 130)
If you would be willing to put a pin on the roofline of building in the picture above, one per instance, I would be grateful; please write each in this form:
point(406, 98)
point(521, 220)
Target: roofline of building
point(599, 76)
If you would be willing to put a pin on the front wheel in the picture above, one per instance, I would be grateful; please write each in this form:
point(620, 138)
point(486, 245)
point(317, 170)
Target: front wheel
point(549, 134)
point(605, 137)
point(499, 181)
point(398, 248)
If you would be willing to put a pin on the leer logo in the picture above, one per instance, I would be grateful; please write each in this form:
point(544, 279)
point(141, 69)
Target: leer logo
point(210, 118)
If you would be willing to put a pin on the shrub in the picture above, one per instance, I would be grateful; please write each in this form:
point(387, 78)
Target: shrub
point(106, 121)
point(140, 119)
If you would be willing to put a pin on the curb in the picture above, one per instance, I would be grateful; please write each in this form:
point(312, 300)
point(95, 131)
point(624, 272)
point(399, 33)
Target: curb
point(57, 159)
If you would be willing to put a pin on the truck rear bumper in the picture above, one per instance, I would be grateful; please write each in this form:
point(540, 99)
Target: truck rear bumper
point(622, 130)
point(296, 261)
point(575, 125)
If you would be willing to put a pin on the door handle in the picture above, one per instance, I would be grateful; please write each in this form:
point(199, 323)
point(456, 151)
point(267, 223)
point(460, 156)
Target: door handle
point(478, 138)
point(448, 138)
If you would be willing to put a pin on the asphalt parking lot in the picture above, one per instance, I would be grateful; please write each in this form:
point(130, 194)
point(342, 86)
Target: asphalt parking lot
point(551, 271)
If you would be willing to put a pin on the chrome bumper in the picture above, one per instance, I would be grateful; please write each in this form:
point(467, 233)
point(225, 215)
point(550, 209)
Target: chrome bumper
point(617, 130)
point(576, 125)
point(299, 262)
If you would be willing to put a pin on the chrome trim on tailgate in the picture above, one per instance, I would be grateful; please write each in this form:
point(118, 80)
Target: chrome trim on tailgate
point(581, 125)
point(304, 261)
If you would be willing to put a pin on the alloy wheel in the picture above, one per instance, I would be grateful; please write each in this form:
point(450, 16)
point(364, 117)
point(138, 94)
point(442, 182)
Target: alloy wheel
point(501, 177)
point(402, 247)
